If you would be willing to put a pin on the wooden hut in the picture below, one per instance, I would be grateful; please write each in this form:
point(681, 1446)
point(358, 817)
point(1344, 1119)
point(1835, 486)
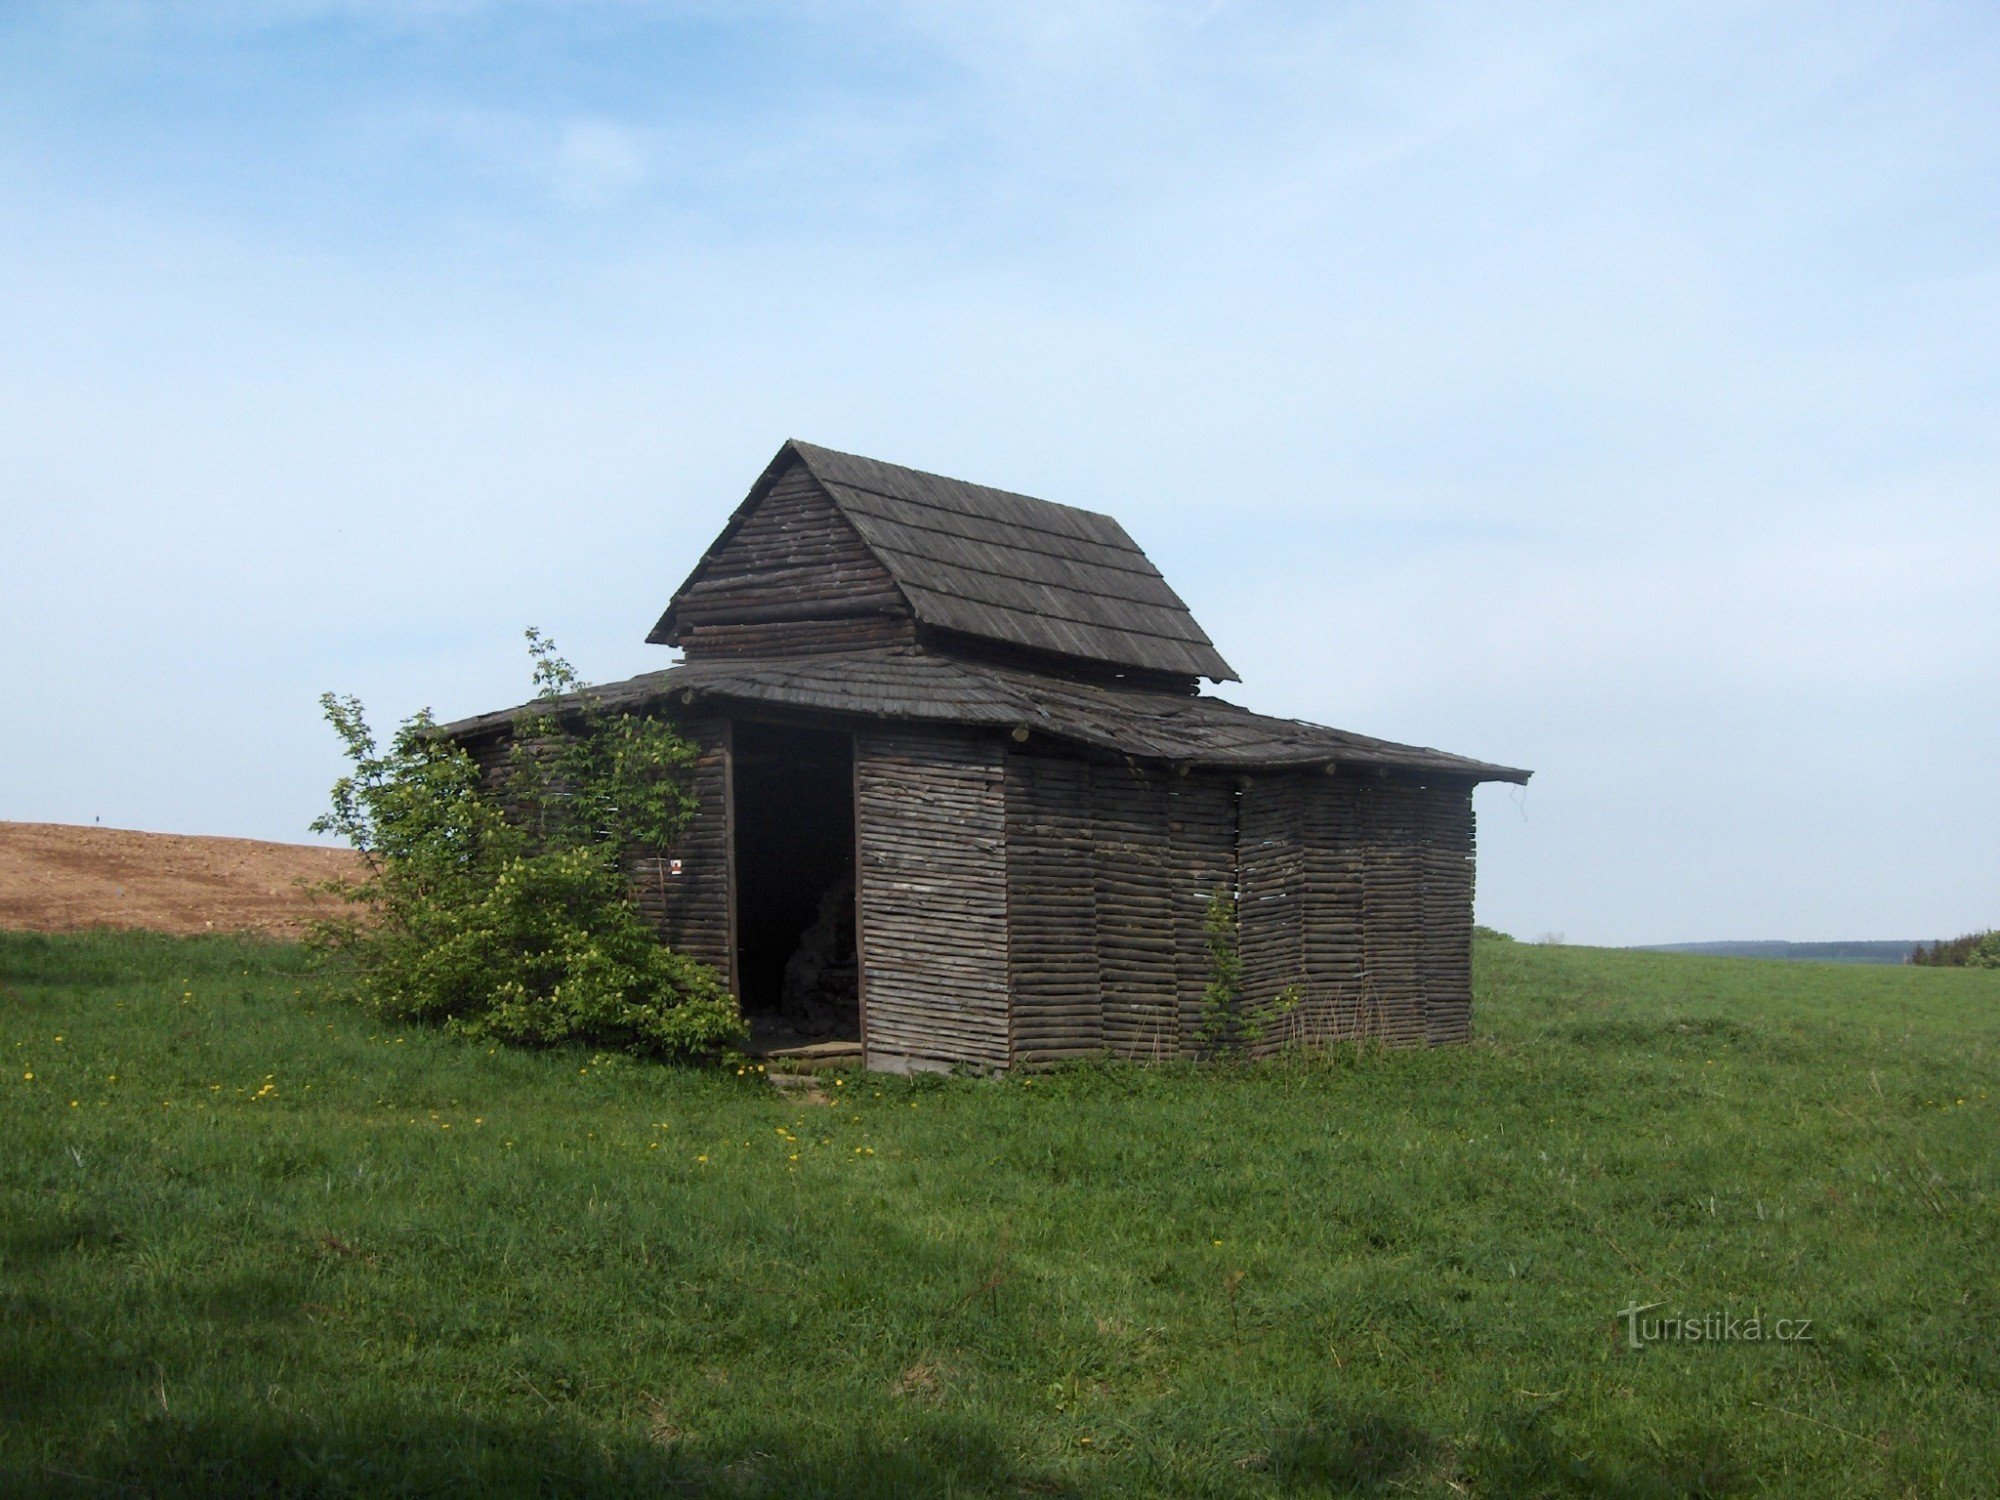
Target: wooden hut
point(962, 801)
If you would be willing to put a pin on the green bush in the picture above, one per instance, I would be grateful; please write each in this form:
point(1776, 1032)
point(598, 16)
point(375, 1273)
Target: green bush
point(1976, 950)
point(505, 911)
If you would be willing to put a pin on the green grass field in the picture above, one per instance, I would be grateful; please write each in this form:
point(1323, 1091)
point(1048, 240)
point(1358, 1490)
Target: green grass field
point(254, 1243)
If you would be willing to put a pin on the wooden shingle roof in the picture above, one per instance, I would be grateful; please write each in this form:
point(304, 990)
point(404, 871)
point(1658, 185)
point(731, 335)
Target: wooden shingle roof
point(917, 686)
point(998, 566)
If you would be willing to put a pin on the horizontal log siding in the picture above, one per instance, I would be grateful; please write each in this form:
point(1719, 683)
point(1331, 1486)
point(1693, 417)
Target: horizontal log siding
point(932, 902)
point(1392, 914)
point(1271, 905)
point(1337, 1003)
point(1448, 877)
point(1359, 891)
point(1133, 863)
point(1201, 813)
point(794, 548)
point(491, 755)
point(1386, 926)
point(1057, 998)
point(793, 577)
point(802, 638)
point(692, 911)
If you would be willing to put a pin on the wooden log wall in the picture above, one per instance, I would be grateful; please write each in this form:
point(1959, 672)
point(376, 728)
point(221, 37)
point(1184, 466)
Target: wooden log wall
point(802, 638)
point(931, 901)
point(1338, 1004)
point(490, 753)
point(1052, 966)
point(692, 911)
point(1358, 891)
point(793, 577)
point(1392, 913)
point(1110, 867)
point(1134, 878)
point(1448, 876)
point(1035, 908)
point(1271, 906)
point(1201, 813)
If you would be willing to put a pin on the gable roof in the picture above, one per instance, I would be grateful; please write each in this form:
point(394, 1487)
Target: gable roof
point(998, 566)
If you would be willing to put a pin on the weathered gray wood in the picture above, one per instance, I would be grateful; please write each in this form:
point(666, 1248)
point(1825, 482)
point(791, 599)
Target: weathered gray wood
point(931, 905)
point(1133, 871)
point(1056, 993)
point(694, 911)
point(1271, 907)
point(1447, 936)
point(1201, 813)
point(1045, 806)
point(790, 575)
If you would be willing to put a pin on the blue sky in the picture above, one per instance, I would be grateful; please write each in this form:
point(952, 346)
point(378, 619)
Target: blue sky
point(1610, 390)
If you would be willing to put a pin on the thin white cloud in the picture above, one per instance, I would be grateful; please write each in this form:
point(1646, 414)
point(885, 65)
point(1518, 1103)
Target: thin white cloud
point(596, 161)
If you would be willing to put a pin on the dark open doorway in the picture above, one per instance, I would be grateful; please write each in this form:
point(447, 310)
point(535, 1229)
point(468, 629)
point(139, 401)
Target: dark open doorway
point(794, 817)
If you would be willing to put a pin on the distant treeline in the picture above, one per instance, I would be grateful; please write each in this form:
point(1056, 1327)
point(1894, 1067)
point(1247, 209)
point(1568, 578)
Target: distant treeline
point(1976, 950)
point(1890, 952)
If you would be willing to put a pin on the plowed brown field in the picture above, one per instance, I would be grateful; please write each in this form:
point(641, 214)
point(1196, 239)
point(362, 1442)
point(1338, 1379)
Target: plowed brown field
point(55, 877)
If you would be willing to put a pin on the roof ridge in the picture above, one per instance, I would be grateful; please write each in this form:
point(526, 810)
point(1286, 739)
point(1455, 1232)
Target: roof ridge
point(800, 446)
point(1149, 571)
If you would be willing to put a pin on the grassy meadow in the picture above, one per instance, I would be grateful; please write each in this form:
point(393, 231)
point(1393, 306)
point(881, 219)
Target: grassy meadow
point(253, 1242)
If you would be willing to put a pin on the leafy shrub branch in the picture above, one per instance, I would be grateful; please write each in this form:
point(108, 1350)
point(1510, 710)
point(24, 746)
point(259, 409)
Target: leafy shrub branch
point(1225, 1020)
point(505, 910)
point(1222, 996)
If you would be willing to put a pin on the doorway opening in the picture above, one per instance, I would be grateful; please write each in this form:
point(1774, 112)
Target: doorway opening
point(796, 967)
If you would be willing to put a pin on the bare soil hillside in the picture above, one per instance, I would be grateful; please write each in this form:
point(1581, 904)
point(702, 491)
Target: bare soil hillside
point(55, 877)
